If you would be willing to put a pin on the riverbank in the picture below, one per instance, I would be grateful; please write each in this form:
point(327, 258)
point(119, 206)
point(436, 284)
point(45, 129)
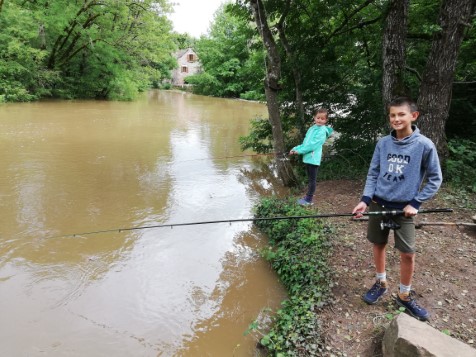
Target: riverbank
point(444, 275)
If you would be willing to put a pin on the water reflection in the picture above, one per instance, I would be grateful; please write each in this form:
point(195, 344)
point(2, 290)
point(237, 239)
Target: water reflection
point(81, 166)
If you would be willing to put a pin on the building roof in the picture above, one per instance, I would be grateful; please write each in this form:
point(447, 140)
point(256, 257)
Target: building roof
point(180, 53)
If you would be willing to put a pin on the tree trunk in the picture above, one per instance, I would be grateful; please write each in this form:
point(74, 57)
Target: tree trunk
point(295, 71)
point(273, 73)
point(437, 80)
point(393, 51)
point(297, 81)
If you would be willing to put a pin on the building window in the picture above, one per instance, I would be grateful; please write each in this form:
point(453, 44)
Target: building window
point(184, 69)
point(191, 57)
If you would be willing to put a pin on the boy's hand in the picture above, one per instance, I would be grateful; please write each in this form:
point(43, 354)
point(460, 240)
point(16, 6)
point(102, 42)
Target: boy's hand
point(292, 152)
point(410, 211)
point(359, 209)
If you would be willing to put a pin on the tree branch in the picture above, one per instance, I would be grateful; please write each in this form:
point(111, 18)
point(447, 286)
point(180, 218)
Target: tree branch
point(414, 71)
point(348, 18)
point(420, 36)
point(139, 5)
point(358, 26)
point(71, 46)
point(465, 82)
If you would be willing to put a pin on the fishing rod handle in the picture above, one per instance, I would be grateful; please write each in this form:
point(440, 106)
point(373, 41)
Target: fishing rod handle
point(401, 212)
point(436, 210)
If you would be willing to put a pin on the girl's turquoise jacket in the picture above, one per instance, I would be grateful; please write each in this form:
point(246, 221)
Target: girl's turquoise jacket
point(311, 147)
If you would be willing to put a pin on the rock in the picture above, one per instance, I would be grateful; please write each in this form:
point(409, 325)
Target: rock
point(408, 337)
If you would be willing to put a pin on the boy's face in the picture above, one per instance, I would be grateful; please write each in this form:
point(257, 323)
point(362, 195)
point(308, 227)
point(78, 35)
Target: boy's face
point(320, 119)
point(401, 118)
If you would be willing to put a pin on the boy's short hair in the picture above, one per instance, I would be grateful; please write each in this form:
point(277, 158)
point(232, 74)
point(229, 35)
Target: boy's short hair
point(321, 110)
point(399, 101)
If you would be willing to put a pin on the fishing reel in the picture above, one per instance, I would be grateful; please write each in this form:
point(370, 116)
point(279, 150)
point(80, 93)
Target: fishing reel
point(282, 157)
point(389, 223)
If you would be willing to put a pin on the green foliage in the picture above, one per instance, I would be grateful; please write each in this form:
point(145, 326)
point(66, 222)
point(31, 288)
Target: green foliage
point(203, 82)
point(22, 77)
point(346, 164)
point(252, 95)
point(298, 252)
point(446, 332)
point(461, 164)
point(260, 137)
point(339, 65)
point(339, 62)
point(454, 196)
point(165, 86)
point(462, 120)
point(231, 66)
point(423, 24)
point(122, 88)
point(83, 50)
point(394, 313)
point(184, 40)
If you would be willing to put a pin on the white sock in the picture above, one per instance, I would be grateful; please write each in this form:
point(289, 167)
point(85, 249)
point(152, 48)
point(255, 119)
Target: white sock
point(405, 289)
point(382, 276)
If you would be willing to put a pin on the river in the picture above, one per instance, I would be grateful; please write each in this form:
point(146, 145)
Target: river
point(74, 167)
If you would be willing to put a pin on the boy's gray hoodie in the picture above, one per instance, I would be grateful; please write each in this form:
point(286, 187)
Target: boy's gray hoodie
point(398, 168)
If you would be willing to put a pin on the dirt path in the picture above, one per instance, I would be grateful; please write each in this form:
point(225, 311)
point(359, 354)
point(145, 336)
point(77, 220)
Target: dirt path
point(445, 274)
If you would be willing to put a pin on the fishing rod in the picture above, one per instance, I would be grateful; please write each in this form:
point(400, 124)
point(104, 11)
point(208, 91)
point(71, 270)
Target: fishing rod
point(451, 224)
point(325, 215)
point(279, 156)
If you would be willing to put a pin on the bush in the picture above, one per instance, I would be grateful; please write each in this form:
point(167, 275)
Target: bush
point(122, 88)
point(461, 164)
point(15, 92)
point(298, 252)
point(345, 164)
point(166, 85)
point(253, 95)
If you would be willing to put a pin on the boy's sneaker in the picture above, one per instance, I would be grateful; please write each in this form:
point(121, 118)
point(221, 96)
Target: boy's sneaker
point(378, 290)
point(304, 202)
point(409, 303)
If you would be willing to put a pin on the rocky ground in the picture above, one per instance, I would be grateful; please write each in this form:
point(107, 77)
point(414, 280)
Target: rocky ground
point(444, 280)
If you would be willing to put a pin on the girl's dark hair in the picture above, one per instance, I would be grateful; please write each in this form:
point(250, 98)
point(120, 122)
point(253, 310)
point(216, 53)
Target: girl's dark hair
point(321, 110)
point(399, 101)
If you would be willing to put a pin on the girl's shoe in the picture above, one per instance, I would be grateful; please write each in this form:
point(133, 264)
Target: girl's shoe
point(303, 202)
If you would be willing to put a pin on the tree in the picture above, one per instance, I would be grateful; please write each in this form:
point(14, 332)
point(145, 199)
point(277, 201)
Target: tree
point(184, 40)
point(329, 62)
point(295, 69)
point(103, 49)
point(231, 65)
point(394, 50)
point(272, 86)
point(354, 56)
point(437, 80)
point(23, 76)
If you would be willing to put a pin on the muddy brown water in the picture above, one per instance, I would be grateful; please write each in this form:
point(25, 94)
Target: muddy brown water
point(79, 166)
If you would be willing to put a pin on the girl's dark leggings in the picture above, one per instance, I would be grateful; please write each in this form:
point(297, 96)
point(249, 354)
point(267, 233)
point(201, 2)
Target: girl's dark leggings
point(312, 177)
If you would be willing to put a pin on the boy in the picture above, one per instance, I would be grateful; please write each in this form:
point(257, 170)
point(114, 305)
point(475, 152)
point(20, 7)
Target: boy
point(400, 163)
point(311, 149)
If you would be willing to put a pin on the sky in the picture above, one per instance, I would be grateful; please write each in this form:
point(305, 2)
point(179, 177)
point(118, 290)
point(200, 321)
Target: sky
point(194, 16)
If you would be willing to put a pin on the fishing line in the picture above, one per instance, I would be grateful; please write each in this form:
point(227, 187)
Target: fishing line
point(325, 215)
point(280, 156)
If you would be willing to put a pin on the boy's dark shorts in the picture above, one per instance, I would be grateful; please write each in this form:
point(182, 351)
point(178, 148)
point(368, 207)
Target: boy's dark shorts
point(404, 236)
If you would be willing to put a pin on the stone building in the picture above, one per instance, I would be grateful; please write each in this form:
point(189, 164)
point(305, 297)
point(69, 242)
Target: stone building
point(188, 64)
